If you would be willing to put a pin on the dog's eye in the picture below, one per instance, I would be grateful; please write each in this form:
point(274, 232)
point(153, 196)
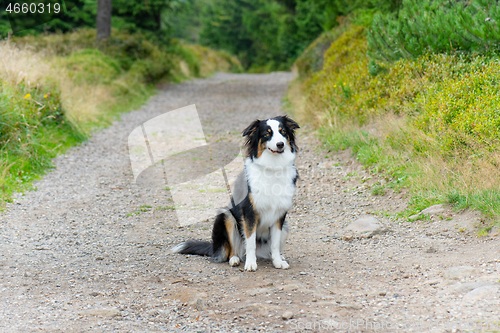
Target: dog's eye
point(282, 131)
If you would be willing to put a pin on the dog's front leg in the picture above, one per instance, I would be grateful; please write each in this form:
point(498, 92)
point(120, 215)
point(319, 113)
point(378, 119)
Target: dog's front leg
point(251, 259)
point(278, 262)
point(250, 222)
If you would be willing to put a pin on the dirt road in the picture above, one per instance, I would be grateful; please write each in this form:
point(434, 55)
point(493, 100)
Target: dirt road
point(89, 250)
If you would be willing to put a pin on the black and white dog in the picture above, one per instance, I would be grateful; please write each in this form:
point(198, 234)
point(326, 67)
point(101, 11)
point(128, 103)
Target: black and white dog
point(254, 225)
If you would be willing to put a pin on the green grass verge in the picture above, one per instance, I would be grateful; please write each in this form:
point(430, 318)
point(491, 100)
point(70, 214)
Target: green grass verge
point(61, 87)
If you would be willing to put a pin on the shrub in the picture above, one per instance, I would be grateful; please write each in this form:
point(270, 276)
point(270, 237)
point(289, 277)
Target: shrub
point(91, 65)
point(431, 123)
point(437, 26)
point(55, 89)
point(464, 111)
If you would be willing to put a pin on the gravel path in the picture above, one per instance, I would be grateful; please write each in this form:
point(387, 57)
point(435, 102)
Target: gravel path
point(89, 250)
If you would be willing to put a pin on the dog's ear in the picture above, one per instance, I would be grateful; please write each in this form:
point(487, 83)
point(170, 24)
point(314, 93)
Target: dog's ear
point(250, 130)
point(290, 123)
point(251, 139)
point(291, 126)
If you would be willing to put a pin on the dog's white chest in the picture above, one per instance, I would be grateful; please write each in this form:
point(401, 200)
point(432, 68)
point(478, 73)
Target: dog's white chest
point(272, 190)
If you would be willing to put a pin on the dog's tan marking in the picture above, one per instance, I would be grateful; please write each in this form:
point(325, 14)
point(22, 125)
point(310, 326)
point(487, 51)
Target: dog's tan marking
point(278, 224)
point(262, 147)
point(249, 230)
point(230, 229)
point(227, 250)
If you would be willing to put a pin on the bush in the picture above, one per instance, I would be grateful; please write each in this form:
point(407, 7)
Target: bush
point(33, 130)
point(437, 26)
point(55, 89)
point(312, 59)
point(463, 112)
point(91, 65)
point(434, 121)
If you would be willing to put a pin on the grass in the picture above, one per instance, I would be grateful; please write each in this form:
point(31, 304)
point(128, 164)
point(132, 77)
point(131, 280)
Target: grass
point(431, 124)
point(56, 89)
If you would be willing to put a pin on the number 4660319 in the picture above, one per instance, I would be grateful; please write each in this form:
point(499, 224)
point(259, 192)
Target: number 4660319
point(33, 8)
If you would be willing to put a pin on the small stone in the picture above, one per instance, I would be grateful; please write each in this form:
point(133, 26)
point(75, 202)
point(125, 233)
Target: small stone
point(256, 291)
point(480, 293)
point(291, 287)
point(434, 210)
point(287, 315)
point(113, 312)
point(94, 293)
point(350, 306)
point(382, 293)
point(431, 250)
point(458, 272)
point(465, 287)
point(197, 302)
point(302, 273)
point(432, 282)
point(200, 304)
point(366, 226)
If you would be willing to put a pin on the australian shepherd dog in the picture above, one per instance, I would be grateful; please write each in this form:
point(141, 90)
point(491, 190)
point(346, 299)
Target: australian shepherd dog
point(254, 224)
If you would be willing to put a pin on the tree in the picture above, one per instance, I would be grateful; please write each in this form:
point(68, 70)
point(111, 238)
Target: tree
point(142, 14)
point(103, 19)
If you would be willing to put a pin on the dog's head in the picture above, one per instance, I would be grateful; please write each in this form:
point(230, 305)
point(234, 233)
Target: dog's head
point(275, 136)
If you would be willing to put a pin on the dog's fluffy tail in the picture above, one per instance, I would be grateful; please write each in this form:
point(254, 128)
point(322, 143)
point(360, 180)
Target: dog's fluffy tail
point(201, 248)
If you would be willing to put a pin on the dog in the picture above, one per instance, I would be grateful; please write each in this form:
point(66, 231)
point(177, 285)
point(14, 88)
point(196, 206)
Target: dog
point(254, 224)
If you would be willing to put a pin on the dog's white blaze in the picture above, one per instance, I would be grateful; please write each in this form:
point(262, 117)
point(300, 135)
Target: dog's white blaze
point(277, 137)
point(272, 189)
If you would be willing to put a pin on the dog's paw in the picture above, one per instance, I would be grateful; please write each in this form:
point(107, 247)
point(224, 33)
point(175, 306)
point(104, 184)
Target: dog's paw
point(234, 261)
point(250, 266)
point(280, 264)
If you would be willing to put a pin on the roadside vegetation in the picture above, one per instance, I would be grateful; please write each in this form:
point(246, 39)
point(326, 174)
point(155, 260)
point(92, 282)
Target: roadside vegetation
point(411, 100)
point(56, 88)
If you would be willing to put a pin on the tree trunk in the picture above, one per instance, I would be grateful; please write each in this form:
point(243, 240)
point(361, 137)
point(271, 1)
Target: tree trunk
point(103, 19)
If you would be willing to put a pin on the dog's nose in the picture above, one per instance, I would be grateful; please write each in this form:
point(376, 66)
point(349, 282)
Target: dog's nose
point(280, 145)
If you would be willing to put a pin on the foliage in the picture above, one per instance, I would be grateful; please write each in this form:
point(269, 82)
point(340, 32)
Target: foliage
point(312, 59)
point(33, 130)
point(464, 110)
point(133, 16)
point(431, 124)
point(184, 22)
point(436, 26)
point(265, 35)
point(55, 89)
